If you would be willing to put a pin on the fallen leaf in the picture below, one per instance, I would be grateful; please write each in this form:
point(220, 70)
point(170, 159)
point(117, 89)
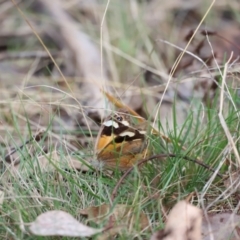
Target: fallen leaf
point(221, 226)
point(184, 222)
point(60, 223)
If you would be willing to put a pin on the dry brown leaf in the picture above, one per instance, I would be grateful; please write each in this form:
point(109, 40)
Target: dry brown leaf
point(184, 222)
point(221, 226)
point(123, 214)
point(60, 223)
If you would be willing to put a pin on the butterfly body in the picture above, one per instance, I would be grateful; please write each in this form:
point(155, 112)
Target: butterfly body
point(121, 142)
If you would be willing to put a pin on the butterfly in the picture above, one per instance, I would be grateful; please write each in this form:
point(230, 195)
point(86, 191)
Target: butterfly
point(122, 141)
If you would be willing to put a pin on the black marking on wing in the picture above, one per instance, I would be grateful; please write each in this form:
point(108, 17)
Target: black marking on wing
point(137, 135)
point(108, 131)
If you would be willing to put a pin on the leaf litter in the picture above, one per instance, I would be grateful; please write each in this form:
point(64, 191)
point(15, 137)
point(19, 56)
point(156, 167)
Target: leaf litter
point(31, 95)
point(60, 223)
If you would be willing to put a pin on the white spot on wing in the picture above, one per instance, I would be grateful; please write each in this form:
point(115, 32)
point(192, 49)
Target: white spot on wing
point(125, 123)
point(142, 132)
point(126, 133)
point(111, 123)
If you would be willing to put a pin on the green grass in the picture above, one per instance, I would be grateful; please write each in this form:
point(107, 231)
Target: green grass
point(159, 183)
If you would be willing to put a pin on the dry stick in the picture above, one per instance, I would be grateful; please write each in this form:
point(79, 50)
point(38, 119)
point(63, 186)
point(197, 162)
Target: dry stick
point(220, 114)
point(27, 54)
point(213, 33)
point(101, 39)
point(113, 195)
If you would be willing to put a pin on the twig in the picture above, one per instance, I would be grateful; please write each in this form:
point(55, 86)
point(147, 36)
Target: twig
point(113, 195)
point(220, 114)
point(27, 54)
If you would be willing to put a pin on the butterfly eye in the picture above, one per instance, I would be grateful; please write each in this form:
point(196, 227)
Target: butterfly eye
point(119, 118)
